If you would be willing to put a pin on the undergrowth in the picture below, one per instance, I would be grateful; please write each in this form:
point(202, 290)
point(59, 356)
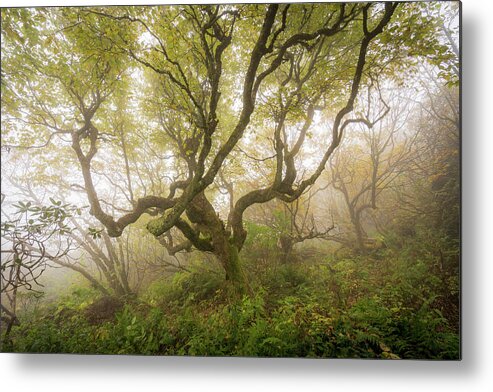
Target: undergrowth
point(360, 307)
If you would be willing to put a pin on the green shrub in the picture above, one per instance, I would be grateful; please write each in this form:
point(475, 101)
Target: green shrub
point(185, 287)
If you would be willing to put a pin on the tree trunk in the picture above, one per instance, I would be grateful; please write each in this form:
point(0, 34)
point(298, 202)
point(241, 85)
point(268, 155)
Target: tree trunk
point(12, 313)
point(358, 228)
point(203, 214)
point(360, 237)
point(228, 256)
point(230, 260)
point(286, 244)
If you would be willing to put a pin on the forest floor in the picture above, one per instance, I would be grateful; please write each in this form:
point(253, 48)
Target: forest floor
point(381, 305)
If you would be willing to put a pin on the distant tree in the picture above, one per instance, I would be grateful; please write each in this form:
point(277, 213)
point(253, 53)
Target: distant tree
point(430, 193)
point(298, 222)
point(376, 154)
